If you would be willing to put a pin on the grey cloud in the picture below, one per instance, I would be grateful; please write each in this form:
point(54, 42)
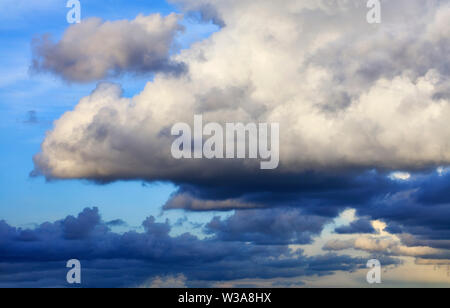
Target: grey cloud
point(116, 223)
point(82, 226)
point(188, 202)
point(362, 225)
point(96, 49)
point(270, 226)
point(411, 241)
point(336, 245)
point(202, 10)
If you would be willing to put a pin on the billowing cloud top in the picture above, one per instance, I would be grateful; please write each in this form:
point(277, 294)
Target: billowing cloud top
point(347, 93)
point(94, 49)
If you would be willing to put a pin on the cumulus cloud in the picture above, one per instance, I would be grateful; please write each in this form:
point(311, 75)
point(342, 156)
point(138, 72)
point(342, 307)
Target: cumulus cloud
point(82, 226)
point(97, 49)
point(347, 94)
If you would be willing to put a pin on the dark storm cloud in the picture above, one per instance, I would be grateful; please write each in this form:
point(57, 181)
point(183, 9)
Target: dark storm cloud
point(37, 257)
point(362, 225)
point(405, 214)
point(116, 223)
point(81, 227)
point(268, 227)
point(411, 241)
point(434, 190)
point(418, 210)
point(322, 194)
point(418, 206)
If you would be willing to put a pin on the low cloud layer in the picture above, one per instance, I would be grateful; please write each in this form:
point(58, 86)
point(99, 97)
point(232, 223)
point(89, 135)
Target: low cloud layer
point(153, 258)
point(97, 49)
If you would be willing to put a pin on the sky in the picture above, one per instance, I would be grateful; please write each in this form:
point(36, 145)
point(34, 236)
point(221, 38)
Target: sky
point(86, 111)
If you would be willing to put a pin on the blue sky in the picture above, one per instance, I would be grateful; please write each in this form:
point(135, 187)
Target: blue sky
point(364, 145)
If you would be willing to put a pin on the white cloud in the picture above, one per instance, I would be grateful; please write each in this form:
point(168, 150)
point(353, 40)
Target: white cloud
point(404, 176)
point(442, 171)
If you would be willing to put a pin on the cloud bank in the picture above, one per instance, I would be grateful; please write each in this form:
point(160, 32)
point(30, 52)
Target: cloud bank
point(152, 258)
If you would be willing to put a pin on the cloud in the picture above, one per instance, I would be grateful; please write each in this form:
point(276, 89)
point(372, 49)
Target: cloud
point(387, 246)
point(362, 225)
point(403, 212)
point(348, 95)
point(38, 257)
point(202, 10)
point(116, 223)
point(82, 226)
point(166, 282)
point(187, 202)
point(96, 49)
point(316, 193)
point(438, 263)
point(403, 176)
point(268, 227)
